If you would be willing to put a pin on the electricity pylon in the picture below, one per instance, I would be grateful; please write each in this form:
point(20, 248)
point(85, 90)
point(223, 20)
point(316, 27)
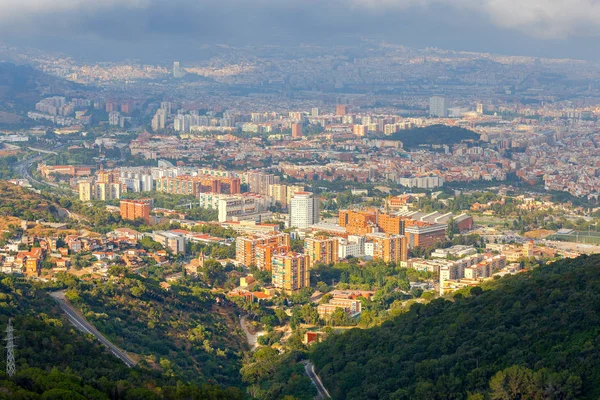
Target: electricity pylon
point(11, 368)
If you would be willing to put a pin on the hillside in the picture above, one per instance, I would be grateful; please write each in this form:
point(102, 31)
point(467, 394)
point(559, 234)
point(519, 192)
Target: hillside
point(55, 361)
point(433, 135)
point(16, 201)
point(22, 86)
point(529, 336)
point(180, 331)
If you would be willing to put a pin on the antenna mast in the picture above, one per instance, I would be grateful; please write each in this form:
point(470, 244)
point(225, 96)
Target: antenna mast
point(11, 368)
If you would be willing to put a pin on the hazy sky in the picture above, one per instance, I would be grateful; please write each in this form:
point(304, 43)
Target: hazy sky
point(152, 29)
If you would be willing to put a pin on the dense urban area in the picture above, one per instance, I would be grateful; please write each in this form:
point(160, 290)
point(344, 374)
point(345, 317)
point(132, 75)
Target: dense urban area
point(293, 223)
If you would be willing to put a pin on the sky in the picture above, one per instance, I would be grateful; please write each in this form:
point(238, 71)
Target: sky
point(177, 29)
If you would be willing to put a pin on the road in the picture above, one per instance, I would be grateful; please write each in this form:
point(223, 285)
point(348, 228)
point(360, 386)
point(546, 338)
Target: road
point(310, 371)
point(23, 167)
point(80, 323)
point(252, 339)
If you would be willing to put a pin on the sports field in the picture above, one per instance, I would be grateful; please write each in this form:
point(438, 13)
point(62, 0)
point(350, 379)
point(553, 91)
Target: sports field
point(578, 237)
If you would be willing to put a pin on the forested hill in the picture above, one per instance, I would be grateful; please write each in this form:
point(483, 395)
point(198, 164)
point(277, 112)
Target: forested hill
point(433, 135)
point(531, 336)
point(55, 361)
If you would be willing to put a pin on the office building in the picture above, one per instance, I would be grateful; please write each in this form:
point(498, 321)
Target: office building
point(422, 182)
point(314, 112)
point(247, 206)
point(114, 118)
point(438, 107)
point(290, 272)
point(304, 210)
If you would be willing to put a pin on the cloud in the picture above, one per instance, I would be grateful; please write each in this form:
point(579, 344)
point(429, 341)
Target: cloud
point(491, 25)
point(540, 18)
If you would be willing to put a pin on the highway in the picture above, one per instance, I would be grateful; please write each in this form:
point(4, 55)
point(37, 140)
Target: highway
point(84, 326)
point(23, 167)
point(310, 371)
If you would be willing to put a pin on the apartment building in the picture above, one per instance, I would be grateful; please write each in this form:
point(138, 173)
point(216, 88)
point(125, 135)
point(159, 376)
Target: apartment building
point(264, 255)
point(283, 193)
point(388, 247)
point(136, 209)
point(259, 182)
point(471, 269)
point(245, 246)
point(321, 249)
point(290, 272)
point(194, 185)
point(92, 190)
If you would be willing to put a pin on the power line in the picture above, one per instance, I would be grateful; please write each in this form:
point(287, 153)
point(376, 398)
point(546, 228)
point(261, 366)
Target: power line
point(11, 368)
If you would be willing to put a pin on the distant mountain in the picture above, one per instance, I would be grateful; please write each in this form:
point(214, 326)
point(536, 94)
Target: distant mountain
point(530, 336)
point(22, 86)
point(434, 135)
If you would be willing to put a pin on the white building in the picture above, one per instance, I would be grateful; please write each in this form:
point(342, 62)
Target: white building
point(422, 182)
point(114, 118)
point(354, 246)
point(169, 240)
point(246, 206)
point(177, 71)
point(438, 107)
point(304, 210)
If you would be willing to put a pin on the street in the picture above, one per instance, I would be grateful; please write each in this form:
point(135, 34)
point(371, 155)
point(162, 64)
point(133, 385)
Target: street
point(310, 371)
point(84, 326)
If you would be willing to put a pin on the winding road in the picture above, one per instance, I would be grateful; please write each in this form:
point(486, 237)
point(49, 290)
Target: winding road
point(310, 371)
point(84, 326)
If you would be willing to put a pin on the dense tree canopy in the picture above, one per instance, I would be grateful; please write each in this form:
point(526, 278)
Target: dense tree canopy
point(544, 322)
point(434, 135)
